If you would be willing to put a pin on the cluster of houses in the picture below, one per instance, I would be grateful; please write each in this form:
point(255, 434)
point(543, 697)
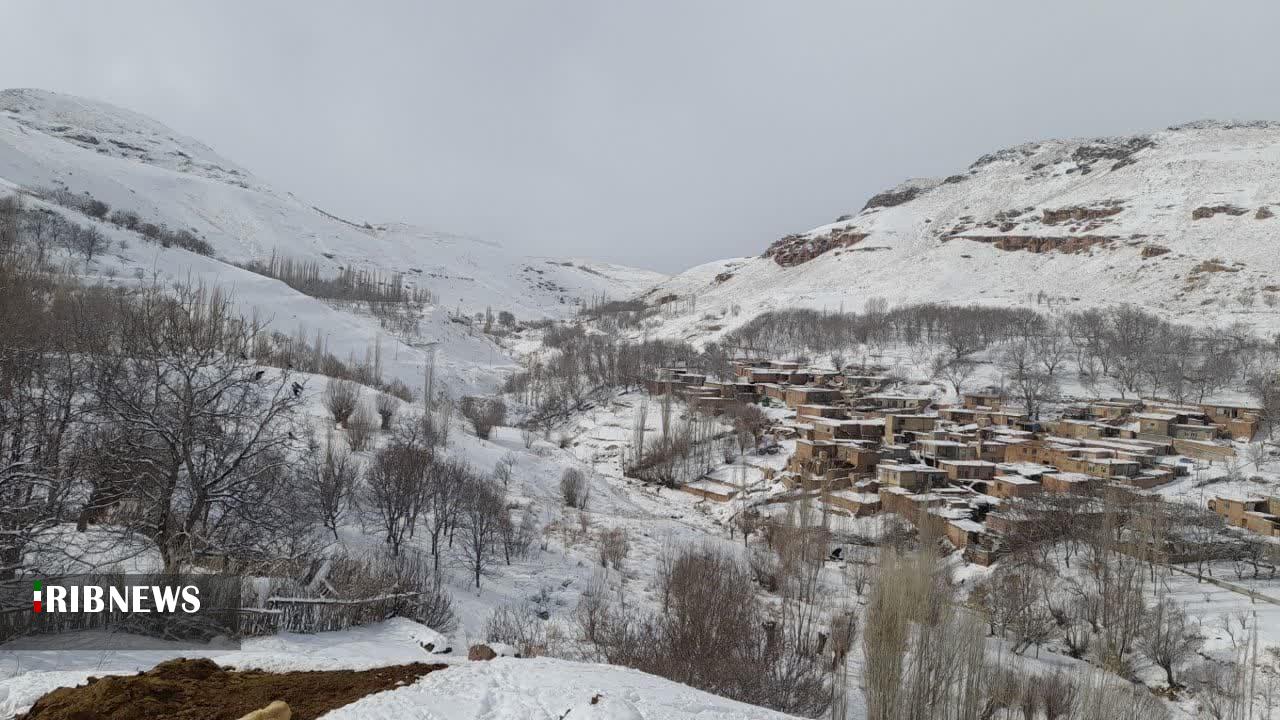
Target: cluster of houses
point(863, 449)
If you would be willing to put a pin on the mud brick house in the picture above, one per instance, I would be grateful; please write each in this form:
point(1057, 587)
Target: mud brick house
point(1180, 425)
point(861, 457)
point(809, 449)
point(964, 471)
point(854, 502)
point(1013, 487)
point(774, 391)
point(963, 532)
point(903, 428)
point(933, 451)
point(887, 401)
point(822, 411)
point(795, 396)
point(1113, 409)
point(909, 505)
point(1110, 468)
point(1236, 420)
point(833, 429)
point(1066, 483)
point(986, 399)
point(1085, 429)
point(1259, 515)
point(712, 490)
point(864, 383)
point(912, 478)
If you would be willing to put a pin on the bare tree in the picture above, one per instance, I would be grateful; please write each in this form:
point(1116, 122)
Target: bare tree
point(396, 487)
point(1030, 382)
point(482, 517)
point(1167, 638)
point(193, 436)
point(330, 479)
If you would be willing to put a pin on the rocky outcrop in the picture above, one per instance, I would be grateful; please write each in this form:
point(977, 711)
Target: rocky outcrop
point(890, 198)
point(1207, 211)
point(1069, 244)
point(1079, 213)
point(793, 250)
point(1263, 213)
point(1151, 251)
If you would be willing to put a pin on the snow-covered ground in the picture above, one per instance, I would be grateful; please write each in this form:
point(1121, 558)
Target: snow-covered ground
point(512, 688)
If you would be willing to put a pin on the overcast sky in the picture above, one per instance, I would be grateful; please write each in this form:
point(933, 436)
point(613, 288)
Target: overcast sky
point(653, 133)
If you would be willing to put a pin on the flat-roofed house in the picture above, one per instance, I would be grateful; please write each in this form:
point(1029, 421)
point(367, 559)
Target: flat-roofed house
point(796, 396)
point(1013, 486)
point(913, 477)
point(967, 470)
point(1258, 514)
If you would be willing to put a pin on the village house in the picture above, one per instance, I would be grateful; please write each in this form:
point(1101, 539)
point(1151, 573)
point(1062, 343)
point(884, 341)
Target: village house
point(855, 503)
point(992, 399)
point(932, 451)
point(913, 478)
point(795, 396)
point(903, 428)
point(966, 471)
point(1013, 487)
point(712, 490)
point(1260, 515)
point(1237, 420)
point(822, 411)
point(1065, 483)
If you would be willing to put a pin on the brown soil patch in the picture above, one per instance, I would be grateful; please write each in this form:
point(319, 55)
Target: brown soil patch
point(201, 690)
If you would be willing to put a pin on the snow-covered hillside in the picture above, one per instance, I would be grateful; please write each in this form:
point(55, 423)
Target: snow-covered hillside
point(131, 162)
point(1185, 222)
point(533, 689)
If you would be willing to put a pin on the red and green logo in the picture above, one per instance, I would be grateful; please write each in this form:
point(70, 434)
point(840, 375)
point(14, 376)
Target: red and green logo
point(36, 599)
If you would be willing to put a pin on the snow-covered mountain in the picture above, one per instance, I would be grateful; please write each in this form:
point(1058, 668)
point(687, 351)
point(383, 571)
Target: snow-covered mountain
point(134, 163)
point(1184, 222)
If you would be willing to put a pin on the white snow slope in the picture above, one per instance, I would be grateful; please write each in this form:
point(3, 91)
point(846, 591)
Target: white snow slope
point(132, 162)
point(935, 240)
point(505, 688)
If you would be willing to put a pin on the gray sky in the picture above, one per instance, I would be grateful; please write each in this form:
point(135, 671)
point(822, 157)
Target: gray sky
point(654, 133)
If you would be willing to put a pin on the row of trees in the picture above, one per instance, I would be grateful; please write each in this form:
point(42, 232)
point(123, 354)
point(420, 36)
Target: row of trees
point(1123, 349)
point(130, 220)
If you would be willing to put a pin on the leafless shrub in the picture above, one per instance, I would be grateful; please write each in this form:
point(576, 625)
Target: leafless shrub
point(362, 428)
point(341, 398)
point(575, 489)
point(518, 626)
point(614, 546)
point(483, 413)
point(386, 405)
point(711, 632)
point(362, 575)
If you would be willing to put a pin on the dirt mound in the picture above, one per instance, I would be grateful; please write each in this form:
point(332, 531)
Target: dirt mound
point(201, 690)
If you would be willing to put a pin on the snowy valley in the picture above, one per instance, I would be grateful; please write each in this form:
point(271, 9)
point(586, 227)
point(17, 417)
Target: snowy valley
point(996, 446)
